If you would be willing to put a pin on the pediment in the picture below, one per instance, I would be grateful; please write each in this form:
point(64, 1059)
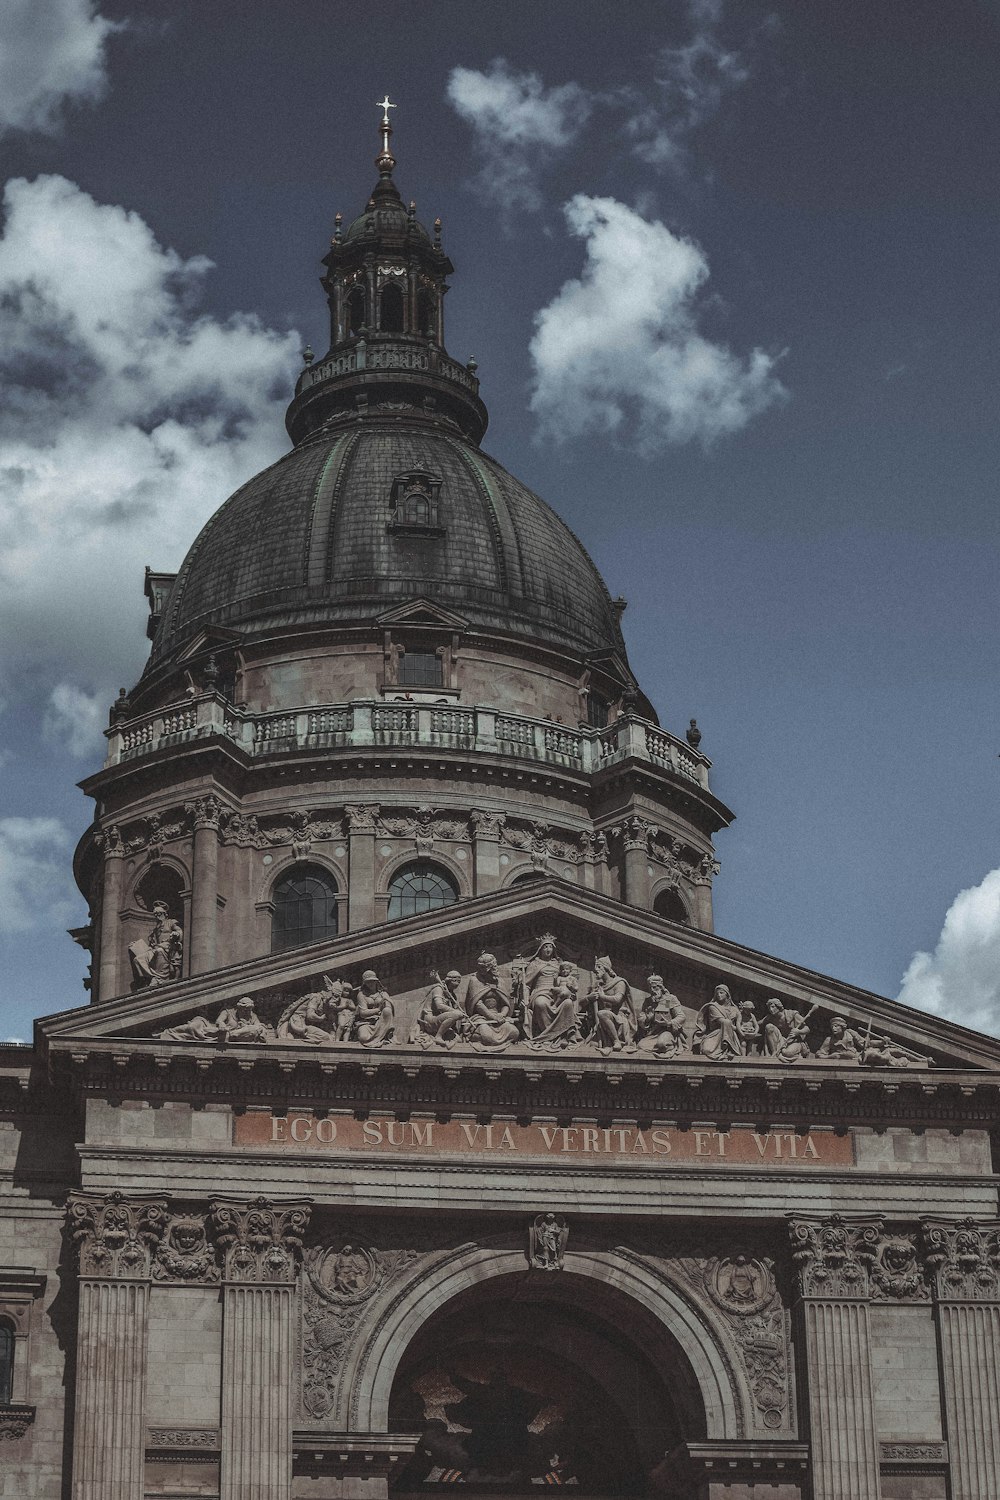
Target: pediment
point(563, 1005)
point(422, 612)
point(211, 636)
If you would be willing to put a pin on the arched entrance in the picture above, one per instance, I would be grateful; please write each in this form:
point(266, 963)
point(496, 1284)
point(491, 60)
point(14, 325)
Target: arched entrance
point(527, 1381)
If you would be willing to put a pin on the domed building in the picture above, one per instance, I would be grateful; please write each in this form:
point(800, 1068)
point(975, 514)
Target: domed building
point(421, 1134)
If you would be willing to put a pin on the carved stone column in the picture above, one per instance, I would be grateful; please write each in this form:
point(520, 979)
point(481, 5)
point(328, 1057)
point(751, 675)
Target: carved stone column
point(964, 1261)
point(111, 905)
point(360, 821)
point(834, 1256)
point(261, 1244)
point(205, 813)
point(115, 1239)
point(635, 876)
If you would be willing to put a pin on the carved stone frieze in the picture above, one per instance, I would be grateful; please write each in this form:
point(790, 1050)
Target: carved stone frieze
point(834, 1255)
point(963, 1258)
point(185, 1253)
point(547, 1238)
point(15, 1419)
point(117, 1236)
point(206, 1438)
point(339, 1283)
point(425, 825)
point(259, 1240)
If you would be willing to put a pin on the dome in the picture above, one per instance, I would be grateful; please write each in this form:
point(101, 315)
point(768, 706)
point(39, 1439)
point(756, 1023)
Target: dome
point(319, 539)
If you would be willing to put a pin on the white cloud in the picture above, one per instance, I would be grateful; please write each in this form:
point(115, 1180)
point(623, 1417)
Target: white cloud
point(74, 719)
point(126, 418)
point(961, 978)
point(619, 350)
point(52, 52)
point(518, 123)
point(35, 885)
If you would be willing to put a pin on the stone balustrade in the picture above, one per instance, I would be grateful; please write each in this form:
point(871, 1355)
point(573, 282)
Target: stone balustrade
point(376, 352)
point(428, 726)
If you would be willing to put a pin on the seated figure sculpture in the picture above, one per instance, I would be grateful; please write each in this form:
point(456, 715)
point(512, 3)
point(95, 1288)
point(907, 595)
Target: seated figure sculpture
point(488, 1008)
point(312, 1019)
point(156, 958)
point(663, 1022)
point(442, 1017)
point(717, 1033)
point(375, 1014)
point(235, 1023)
point(614, 1018)
point(786, 1032)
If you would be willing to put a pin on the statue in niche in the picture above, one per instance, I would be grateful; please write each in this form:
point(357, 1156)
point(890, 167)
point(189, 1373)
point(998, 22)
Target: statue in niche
point(614, 1019)
point(846, 1045)
point(488, 1008)
point(375, 1014)
point(156, 958)
point(442, 1017)
point(312, 1020)
point(663, 1022)
point(717, 1033)
point(786, 1032)
point(547, 1239)
point(547, 994)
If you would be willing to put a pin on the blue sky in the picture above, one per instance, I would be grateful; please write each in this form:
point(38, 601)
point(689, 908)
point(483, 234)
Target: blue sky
point(746, 255)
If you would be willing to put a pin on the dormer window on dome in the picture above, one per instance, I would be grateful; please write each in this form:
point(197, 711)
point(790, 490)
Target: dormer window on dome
point(415, 504)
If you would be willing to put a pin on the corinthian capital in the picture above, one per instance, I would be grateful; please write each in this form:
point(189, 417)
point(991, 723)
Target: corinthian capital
point(834, 1255)
point(116, 1236)
point(963, 1258)
point(204, 812)
point(259, 1240)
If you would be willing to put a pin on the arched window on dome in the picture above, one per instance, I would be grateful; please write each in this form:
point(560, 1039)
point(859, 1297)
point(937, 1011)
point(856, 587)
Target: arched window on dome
point(391, 309)
point(356, 310)
point(669, 904)
point(6, 1361)
point(419, 887)
point(304, 903)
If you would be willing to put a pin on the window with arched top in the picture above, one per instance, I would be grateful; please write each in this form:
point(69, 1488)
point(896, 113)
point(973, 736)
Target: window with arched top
point(391, 309)
point(668, 904)
point(6, 1362)
point(304, 905)
point(418, 887)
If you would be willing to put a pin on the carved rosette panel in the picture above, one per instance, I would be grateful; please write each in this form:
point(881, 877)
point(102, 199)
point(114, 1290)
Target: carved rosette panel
point(963, 1259)
point(834, 1256)
point(338, 1286)
point(117, 1236)
point(185, 1254)
point(259, 1241)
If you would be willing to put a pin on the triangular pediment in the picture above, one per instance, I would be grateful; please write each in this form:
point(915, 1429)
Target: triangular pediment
point(423, 612)
point(313, 1001)
point(211, 636)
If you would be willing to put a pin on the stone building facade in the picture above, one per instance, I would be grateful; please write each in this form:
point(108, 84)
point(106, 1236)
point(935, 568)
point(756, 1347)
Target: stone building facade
point(421, 1132)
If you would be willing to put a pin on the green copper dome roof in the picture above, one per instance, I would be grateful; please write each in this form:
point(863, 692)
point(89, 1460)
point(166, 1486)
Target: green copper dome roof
point(313, 541)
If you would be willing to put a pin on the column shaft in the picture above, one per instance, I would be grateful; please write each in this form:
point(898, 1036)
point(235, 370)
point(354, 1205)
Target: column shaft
point(841, 1402)
point(110, 940)
point(109, 1431)
point(970, 1360)
point(257, 1392)
point(204, 899)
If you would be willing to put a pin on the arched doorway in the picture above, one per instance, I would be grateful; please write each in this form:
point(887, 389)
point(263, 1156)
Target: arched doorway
point(529, 1380)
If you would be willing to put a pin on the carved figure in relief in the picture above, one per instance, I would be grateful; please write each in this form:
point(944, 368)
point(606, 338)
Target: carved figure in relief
point(846, 1045)
point(353, 1272)
point(442, 1016)
point(185, 1254)
point(311, 1020)
point(553, 1010)
point(786, 1032)
point(488, 1007)
point(749, 1028)
point(375, 1014)
point(547, 1239)
point(717, 1033)
point(614, 1018)
point(156, 958)
point(241, 1023)
point(663, 1022)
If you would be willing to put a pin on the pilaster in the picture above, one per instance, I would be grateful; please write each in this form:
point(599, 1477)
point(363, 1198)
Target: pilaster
point(361, 819)
point(486, 827)
point(964, 1261)
point(111, 905)
point(261, 1245)
point(833, 1256)
point(115, 1239)
point(205, 814)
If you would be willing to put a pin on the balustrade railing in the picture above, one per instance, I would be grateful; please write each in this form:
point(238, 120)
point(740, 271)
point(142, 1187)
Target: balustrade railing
point(368, 723)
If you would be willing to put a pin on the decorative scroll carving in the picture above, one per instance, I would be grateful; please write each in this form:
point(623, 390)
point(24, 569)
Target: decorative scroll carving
point(834, 1255)
point(547, 1237)
point(259, 1240)
point(156, 958)
point(116, 1237)
point(339, 1284)
point(185, 1254)
point(14, 1422)
point(963, 1258)
point(896, 1273)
